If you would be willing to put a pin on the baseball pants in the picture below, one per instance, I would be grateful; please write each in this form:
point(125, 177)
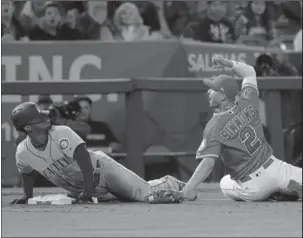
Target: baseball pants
point(118, 182)
point(264, 182)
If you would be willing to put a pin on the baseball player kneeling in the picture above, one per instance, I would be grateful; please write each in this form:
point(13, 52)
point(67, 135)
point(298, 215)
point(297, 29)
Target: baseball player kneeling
point(235, 134)
point(60, 155)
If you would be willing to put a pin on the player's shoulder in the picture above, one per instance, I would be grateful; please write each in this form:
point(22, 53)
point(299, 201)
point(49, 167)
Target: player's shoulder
point(58, 130)
point(212, 126)
point(21, 149)
point(221, 119)
point(64, 137)
point(59, 133)
point(249, 95)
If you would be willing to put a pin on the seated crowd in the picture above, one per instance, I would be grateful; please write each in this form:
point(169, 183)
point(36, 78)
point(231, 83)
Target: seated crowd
point(256, 22)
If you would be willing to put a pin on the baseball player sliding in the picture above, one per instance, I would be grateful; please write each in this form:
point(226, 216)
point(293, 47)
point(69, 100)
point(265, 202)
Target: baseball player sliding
point(235, 134)
point(60, 155)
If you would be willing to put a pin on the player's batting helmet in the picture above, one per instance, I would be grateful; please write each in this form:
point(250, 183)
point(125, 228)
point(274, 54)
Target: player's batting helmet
point(224, 83)
point(27, 113)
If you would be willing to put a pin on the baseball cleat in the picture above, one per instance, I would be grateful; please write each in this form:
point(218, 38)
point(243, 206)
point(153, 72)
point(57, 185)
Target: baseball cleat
point(278, 197)
point(295, 186)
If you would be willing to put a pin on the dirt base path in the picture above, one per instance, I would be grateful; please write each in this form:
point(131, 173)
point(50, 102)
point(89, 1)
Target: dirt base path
point(210, 215)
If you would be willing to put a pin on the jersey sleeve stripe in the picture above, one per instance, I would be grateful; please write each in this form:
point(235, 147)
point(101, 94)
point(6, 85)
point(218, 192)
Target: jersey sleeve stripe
point(206, 155)
point(250, 85)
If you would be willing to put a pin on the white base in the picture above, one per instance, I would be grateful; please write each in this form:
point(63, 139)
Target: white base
point(54, 199)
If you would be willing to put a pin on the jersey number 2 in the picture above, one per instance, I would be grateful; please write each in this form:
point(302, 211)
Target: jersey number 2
point(249, 139)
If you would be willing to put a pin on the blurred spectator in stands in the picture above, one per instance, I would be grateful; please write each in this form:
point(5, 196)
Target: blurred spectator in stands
point(255, 22)
point(236, 10)
point(97, 10)
point(292, 10)
point(298, 41)
point(128, 25)
point(153, 15)
point(265, 66)
point(179, 14)
point(12, 29)
point(112, 6)
point(288, 20)
point(283, 65)
point(276, 65)
point(78, 17)
point(68, 5)
point(52, 26)
point(31, 13)
point(101, 135)
point(14, 32)
point(214, 27)
point(291, 107)
point(72, 18)
point(7, 9)
point(44, 102)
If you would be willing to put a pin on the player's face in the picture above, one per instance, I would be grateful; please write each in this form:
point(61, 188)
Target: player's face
point(86, 110)
point(218, 9)
point(44, 106)
point(38, 5)
point(258, 7)
point(52, 17)
point(40, 127)
point(128, 16)
point(215, 98)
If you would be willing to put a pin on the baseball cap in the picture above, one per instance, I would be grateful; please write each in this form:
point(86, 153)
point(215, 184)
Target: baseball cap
point(80, 98)
point(224, 83)
point(45, 99)
point(27, 113)
point(265, 58)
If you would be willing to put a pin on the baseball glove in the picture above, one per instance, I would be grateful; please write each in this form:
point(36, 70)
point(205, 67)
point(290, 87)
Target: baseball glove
point(164, 197)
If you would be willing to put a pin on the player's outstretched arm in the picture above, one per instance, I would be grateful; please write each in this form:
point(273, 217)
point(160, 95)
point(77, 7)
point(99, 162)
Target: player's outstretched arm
point(28, 187)
point(244, 70)
point(74, 147)
point(247, 72)
point(81, 155)
point(201, 173)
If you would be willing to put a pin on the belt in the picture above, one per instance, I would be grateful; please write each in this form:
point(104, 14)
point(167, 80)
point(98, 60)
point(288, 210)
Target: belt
point(265, 166)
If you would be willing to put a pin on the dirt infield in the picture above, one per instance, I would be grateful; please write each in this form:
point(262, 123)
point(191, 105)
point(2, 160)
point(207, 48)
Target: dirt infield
point(210, 215)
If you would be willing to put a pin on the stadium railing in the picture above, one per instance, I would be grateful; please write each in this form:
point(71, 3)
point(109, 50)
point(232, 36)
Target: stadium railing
point(133, 89)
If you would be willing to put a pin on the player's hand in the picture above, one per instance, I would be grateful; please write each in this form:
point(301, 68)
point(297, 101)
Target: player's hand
point(19, 201)
point(219, 62)
point(190, 195)
point(84, 198)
